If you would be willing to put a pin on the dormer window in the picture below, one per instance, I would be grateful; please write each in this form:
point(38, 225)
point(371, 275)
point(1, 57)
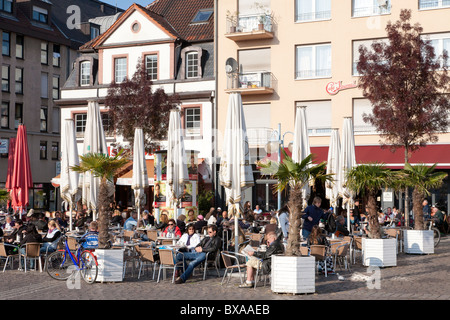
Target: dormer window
point(6, 5)
point(40, 15)
point(95, 32)
point(203, 15)
point(192, 64)
point(85, 73)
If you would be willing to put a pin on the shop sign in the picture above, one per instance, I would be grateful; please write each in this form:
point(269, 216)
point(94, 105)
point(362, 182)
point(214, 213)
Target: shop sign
point(334, 87)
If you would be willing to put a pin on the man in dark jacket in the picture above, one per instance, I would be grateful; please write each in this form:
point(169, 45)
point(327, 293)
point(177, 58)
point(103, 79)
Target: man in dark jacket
point(208, 245)
point(312, 216)
point(262, 259)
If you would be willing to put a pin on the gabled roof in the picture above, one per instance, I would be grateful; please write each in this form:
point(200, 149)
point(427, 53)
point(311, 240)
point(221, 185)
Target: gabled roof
point(180, 13)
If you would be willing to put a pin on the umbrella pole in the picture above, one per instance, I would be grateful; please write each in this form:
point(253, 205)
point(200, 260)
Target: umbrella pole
point(70, 217)
point(236, 231)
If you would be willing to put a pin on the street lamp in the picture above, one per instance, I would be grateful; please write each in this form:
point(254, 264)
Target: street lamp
point(275, 143)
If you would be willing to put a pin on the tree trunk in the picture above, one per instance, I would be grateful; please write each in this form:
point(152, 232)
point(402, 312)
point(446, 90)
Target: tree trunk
point(374, 226)
point(295, 205)
point(418, 210)
point(406, 192)
point(103, 215)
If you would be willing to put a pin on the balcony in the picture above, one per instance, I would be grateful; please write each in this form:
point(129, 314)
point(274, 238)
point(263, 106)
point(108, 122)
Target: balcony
point(250, 83)
point(372, 10)
point(250, 27)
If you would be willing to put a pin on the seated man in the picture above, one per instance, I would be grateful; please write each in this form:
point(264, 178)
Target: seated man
point(90, 239)
point(262, 259)
point(208, 244)
point(437, 217)
point(131, 222)
point(341, 229)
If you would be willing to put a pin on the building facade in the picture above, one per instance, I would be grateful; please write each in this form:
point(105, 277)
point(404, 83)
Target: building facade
point(304, 53)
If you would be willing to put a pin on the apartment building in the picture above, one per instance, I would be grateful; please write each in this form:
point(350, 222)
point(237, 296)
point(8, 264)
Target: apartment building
point(40, 40)
point(283, 54)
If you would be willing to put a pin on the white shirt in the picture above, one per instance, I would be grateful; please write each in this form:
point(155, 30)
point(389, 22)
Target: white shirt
point(195, 240)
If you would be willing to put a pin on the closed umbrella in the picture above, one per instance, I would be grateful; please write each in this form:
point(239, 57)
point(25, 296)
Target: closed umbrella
point(300, 147)
point(140, 178)
point(332, 188)
point(22, 180)
point(94, 142)
point(347, 161)
point(69, 179)
point(235, 170)
point(177, 172)
point(9, 173)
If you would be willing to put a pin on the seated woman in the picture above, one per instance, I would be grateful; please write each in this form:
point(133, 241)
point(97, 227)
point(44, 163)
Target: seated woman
point(163, 221)
point(190, 239)
point(49, 242)
point(172, 230)
point(318, 238)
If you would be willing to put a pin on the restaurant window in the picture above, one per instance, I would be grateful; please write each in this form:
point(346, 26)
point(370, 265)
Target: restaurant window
point(120, 69)
point(312, 10)
point(56, 55)
point(4, 113)
point(18, 115)
point(192, 121)
point(43, 150)
point(151, 66)
point(313, 61)
point(85, 73)
point(192, 64)
point(43, 119)
point(5, 78)
point(6, 5)
point(6, 43)
point(19, 46)
point(55, 150)
point(19, 80)
point(55, 88)
point(44, 53)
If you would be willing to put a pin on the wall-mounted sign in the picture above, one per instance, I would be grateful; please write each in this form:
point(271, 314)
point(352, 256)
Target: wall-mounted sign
point(334, 87)
point(4, 145)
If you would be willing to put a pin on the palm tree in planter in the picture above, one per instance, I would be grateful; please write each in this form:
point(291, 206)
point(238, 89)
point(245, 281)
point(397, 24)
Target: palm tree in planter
point(292, 272)
point(4, 195)
point(421, 178)
point(104, 167)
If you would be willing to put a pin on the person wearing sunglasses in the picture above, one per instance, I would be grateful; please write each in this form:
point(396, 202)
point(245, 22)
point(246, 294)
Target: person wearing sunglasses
point(210, 244)
point(172, 230)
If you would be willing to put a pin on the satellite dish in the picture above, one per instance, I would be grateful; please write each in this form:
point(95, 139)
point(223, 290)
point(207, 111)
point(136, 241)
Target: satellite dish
point(231, 65)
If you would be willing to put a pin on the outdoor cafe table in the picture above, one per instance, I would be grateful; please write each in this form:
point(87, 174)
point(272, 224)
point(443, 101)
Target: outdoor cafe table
point(174, 240)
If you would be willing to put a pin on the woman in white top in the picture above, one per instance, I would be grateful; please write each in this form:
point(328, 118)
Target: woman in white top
point(190, 239)
point(53, 234)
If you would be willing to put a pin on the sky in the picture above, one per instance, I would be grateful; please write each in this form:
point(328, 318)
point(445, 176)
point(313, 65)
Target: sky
point(125, 4)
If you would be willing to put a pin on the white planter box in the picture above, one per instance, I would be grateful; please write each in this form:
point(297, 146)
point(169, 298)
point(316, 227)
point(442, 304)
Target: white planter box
point(418, 241)
point(379, 252)
point(293, 274)
point(110, 265)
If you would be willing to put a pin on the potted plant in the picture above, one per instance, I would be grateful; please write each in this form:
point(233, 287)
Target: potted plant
point(232, 19)
point(292, 272)
point(421, 178)
point(110, 261)
point(367, 180)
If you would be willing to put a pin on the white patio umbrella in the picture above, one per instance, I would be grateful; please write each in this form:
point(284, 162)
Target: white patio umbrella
point(94, 142)
point(301, 148)
point(140, 178)
point(69, 179)
point(235, 170)
point(177, 172)
point(334, 150)
point(347, 161)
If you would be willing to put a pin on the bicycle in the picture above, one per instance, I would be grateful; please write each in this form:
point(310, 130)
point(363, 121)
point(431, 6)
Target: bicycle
point(85, 262)
point(436, 232)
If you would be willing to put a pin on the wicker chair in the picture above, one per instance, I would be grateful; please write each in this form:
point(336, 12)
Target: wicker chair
point(4, 255)
point(167, 260)
point(32, 251)
point(146, 257)
point(320, 252)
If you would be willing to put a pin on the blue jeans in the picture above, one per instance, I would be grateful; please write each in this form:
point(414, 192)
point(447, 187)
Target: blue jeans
point(23, 261)
point(195, 259)
point(305, 234)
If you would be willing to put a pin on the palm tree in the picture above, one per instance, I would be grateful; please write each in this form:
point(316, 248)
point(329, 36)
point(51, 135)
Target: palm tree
point(4, 195)
point(367, 180)
point(421, 178)
point(296, 176)
point(104, 167)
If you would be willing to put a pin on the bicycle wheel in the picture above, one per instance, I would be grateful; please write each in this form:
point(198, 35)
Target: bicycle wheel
point(437, 236)
point(88, 267)
point(58, 264)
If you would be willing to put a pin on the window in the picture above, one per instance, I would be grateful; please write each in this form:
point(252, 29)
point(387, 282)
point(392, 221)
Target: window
point(363, 8)
point(192, 121)
point(43, 119)
point(56, 55)
point(313, 61)
point(106, 122)
point(44, 85)
point(433, 4)
point(361, 107)
point(55, 119)
point(85, 73)
point(55, 89)
point(440, 42)
point(254, 68)
point(151, 66)
point(6, 5)
point(55, 150)
point(365, 43)
point(5, 78)
point(257, 120)
point(191, 64)
point(95, 32)
point(19, 81)
point(43, 150)
point(44, 52)
point(4, 113)
point(18, 115)
point(40, 15)
point(6, 43)
point(312, 10)
point(19, 46)
point(202, 15)
point(120, 69)
point(80, 122)
point(318, 115)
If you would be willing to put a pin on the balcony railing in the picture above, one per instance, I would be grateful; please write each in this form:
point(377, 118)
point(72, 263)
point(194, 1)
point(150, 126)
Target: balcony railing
point(372, 11)
point(249, 27)
point(431, 4)
point(250, 82)
point(313, 16)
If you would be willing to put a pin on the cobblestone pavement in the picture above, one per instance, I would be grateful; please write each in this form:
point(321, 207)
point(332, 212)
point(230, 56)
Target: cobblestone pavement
point(416, 277)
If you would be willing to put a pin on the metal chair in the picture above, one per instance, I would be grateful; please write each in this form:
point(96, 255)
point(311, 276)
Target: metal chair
point(167, 259)
point(357, 247)
point(146, 257)
point(32, 251)
point(341, 254)
point(320, 252)
point(128, 235)
point(4, 255)
point(215, 260)
point(233, 261)
point(152, 235)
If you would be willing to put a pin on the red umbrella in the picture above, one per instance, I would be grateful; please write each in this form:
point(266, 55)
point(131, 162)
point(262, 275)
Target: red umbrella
point(9, 174)
point(21, 178)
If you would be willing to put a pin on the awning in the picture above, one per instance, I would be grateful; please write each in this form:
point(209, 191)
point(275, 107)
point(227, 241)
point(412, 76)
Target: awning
point(125, 179)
